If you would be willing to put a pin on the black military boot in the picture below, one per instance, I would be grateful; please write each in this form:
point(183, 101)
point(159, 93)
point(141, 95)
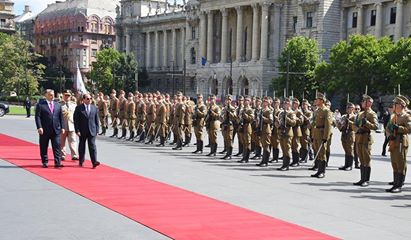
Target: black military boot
point(228, 154)
point(357, 163)
point(394, 183)
point(224, 150)
point(123, 134)
point(115, 133)
point(362, 180)
point(276, 151)
point(162, 141)
point(187, 141)
point(264, 160)
point(103, 131)
point(142, 137)
point(315, 167)
point(304, 156)
point(321, 170)
point(179, 145)
point(209, 144)
point(131, 138)
point(213, 150)
point(240, 150)
point(286, 164)
point(296, 159)
point(246, 156)
point(367, 172)
point(398, 185)
point(198, 147)
point(257, 155)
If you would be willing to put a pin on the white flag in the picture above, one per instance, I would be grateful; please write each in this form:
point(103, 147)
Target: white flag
point(79, 82)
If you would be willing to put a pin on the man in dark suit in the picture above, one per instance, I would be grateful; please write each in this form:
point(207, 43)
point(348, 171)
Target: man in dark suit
point(49, 122)
point(86, 125)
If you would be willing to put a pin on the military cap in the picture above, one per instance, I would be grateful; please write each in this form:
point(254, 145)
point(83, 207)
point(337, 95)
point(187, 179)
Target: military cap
point(266, 99)
point(228, 97)
point(350, 105)
point(258, 99)
point(199, 95)
point(365, 97)
point(122, 92)
point(304, 100)
point(179, 93)
point(67, 92)
point(295, 100)
point(240, 98)
point(320, 96)
point(113, 91)
point(402, 100)
point(130, 94)
point(287, 100)
point(276, 99)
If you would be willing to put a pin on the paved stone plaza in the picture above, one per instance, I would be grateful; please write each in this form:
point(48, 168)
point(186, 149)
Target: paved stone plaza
point(33, 208)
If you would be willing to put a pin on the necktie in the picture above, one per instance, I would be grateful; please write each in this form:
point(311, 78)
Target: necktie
point(88, 109)
point(51, 107)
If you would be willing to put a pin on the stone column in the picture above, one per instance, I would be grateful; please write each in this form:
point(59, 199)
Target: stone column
point(378, 20)
point(165, 47)
point(156, 51)
point(128, 42)
point(183, 47)
point(148, 50)
point(239, 45)
point(203, 35)
point(173, 46)
point(264, 31)
point(343, 24)
point(224, 34)
point(277, 30)
point(255, 50)
point(210, 30)
point(399, 20)
point(360, 19)
point(118, 40)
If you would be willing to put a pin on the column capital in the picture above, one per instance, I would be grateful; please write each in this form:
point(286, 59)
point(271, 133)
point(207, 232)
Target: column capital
point(378, 4)
point(359, 6)
point(254, 6)
point(164, 30)
point(399, 1)
point(265, 5)
point(239, 9)
point(224, 12)
point(209, 12)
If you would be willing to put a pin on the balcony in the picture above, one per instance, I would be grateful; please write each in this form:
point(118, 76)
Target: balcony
point(78, 44)
point(7, 26)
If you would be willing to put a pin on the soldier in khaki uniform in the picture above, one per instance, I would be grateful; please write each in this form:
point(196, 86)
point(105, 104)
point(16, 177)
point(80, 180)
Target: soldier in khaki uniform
point(161, 120)
point(238, 113)
point(68, 107)
point(265, 129)
point(321, 130)
point(141, 118)
point(365, 122)
point(169, 106)
point(122, 114)
point(297, 133)
point(356, 161)
point(245, 127)
point(200, 112)
point(179, 121)
point(188, 120)
point(151, 119)
point(275, 141)
point(347, 136)
point(333, 124)
point(114, 107)
point(131, 116)
point(285, 123)
point(305, 130)
point(212, 120)
point(228, 128)
point(398, 129)
point(256, 131)
point(102, 105)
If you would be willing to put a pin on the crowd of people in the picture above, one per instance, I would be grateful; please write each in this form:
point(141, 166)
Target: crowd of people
point(263, 127)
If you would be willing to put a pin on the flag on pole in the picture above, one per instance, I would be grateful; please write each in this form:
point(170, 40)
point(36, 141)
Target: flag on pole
point(80, 87)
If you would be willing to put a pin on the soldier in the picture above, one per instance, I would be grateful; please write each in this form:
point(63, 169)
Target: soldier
point(174, 128)
point(169, 106)
point(398, 129)
point(131, 116)
point(356, 161)
point(188, 120)
point(179, 121)
point(333, 124)
point(285, 123)
point(161, 120)
point(238, 113)
point(321, 130)
point(141, 118)
point(228, 128)
point(305, 130)
point(200, 112)
point(274, 131)
point(347, 136)
point(256, 131)
point(246, 120)
point(122, 114)
point(265, 129)
point(365, 122)
point(151, 118)
point(114, 107)
point(102, 106)
point(213, 124)
point(68, 107)
point(297, 133)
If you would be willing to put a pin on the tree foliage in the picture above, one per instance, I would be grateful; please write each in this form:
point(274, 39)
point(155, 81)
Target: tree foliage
point(19, 69)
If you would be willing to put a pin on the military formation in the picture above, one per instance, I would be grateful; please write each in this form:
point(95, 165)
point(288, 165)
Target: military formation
point(264, 128)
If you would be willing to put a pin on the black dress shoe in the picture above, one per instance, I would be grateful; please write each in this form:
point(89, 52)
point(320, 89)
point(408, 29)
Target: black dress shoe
point(80, 164)
point(58, 166)
point(96, 164)
point(44, 165)
point(74, 159)
point(262, 164)
point(283, 169)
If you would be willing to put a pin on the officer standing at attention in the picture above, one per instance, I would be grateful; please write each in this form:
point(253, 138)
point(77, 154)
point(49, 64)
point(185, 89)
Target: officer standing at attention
point(246, 120)
point(179, 121)
point(131, 115)
point(398, 129)
point(213, 124)
point(322, 126)
point(122, 114)
point(200, 112)
point(114, 107)
point(161, 120)
point(238, 113)
point(365, 122)
point(285, 123)
point(347, 136)
point(265, 129)
point(228, 128)
point(275, 142)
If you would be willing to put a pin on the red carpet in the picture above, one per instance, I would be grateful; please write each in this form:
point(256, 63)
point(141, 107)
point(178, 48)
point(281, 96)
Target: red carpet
point(172, 211)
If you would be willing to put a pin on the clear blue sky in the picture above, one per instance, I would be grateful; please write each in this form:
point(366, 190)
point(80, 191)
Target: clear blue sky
point(36, 5)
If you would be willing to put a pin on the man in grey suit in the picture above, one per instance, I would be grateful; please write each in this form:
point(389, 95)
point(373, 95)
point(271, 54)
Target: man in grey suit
point(86, 124)
point(68, 107)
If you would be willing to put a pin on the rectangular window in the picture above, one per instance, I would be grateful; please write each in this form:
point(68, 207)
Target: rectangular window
point(93, 52)
point(309, 23)
point(354, 19)
point(393, 15)
point(295, 24)
point(193, 33)
point(80, 38)
point(373, 17)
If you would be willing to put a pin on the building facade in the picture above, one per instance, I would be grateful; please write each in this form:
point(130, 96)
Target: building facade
point(25, 24)
point(72, 32)
point(7, 24)
point(232, 46)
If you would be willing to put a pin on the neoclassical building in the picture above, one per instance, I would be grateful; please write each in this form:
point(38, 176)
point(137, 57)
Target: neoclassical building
point(232, 46)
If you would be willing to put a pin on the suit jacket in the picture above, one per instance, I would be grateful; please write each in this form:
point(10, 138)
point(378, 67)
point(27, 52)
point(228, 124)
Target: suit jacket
point(51, 122)
point(86, 123)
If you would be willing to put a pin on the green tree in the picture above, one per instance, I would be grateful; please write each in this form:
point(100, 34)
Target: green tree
point(19, 69)
point(399, 61)
point(127, 69)
point(104, 69)
point(303, 55)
